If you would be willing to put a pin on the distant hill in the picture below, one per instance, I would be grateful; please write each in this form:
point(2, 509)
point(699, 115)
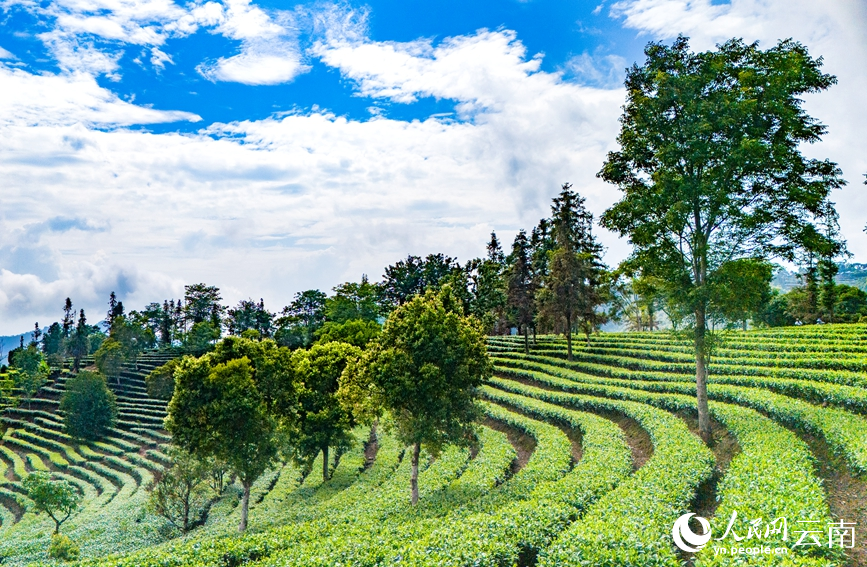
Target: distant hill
point(9, 342)
point(854, 274)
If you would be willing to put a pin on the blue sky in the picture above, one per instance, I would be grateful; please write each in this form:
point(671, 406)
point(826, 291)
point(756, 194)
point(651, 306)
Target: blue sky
point(270, 147)
point(560, 31)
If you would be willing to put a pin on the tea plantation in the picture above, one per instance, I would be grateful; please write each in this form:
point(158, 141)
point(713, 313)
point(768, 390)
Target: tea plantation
point(582, 462)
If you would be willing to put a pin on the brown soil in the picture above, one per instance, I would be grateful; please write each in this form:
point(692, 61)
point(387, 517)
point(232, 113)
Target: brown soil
point(524, 444)
point(637, 438)
point(13, 506)
point(725, 447)
point(575, 436)
point(846, 494)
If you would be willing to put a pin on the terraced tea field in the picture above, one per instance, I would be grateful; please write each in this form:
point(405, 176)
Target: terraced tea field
point(587, 462)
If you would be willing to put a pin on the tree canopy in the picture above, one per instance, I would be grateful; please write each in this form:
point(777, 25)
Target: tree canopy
point(424, 371)
point(711, 169)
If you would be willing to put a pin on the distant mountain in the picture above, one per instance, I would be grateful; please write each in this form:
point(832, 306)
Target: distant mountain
point(854, 274)
point(9, 342)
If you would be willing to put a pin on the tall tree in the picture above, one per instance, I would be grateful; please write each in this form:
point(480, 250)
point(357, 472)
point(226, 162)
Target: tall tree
point(711, 170)
point(202, 303)
point(572, 290)
point(300, 320)
point(495, 251)
point(218, 412)
point(323, 422)
point(68, 318)
point(79, 345)
point(521, 290)
point(424, 370)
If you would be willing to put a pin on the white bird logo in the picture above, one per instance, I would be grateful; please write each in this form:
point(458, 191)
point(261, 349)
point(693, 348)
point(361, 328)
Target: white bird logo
point(685, 539)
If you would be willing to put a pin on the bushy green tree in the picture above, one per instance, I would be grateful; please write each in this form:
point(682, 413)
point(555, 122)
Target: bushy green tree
point(202, 304)
point(57, 498)
point(160, 382)
point(711, 169)
point(200, 339)
point(413, 276)
point(109, 358)
point(89, 407)
point(29, 370)
point(249, 315)
point(217, 411)
point(301, 319)
point(424, 371)
point(355, 332)
point(179, 493)
point(353, 301)
point(322, 422)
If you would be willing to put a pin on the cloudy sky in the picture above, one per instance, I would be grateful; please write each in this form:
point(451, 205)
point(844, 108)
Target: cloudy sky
point(267, 148)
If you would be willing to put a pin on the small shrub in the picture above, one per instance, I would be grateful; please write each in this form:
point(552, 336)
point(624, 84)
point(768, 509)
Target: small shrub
point(63, 548)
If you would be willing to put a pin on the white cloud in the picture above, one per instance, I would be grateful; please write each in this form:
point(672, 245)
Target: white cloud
point(832, 30)
point(4, 54)
point(159, 58)
point(28, 99)
point(269, 47)
point(600, 70)
point(252, 67)
point(266, 208)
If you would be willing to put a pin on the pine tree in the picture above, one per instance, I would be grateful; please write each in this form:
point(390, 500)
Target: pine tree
point(68, 318)
point(572, 288)
point(521, 288)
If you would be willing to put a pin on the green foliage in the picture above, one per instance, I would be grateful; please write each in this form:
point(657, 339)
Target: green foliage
point(252, 316)
point(711, 172)
point(200, 339)
point(520, 287)
point(29, 370)
point(89, 407)
point(356, 332)
point(179, 493)
point(413, 276)
point(63, 548)
point(322, 421)
point(353, 301)
point(202, 304)
point(57, 498)
point(218, 412)
point(301, 319)
point(160, 382)
point(424, 370)
point(109, 358)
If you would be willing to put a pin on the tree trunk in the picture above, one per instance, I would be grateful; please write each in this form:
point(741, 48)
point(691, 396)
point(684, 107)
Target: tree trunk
point(526, 341)
point(569, 337)
point(701, 374)
point(416, 450)
point(745, 324)
point(245, 506)
point(325, 464)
